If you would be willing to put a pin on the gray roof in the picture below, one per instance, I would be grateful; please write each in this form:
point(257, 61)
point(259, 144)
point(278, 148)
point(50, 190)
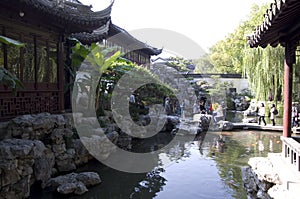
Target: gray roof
point(71, 14)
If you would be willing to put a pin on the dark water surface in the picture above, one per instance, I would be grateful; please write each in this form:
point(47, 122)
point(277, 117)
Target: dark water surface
point(208, 169)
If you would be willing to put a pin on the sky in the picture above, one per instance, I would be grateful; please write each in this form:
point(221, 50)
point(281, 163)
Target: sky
point(205, 22)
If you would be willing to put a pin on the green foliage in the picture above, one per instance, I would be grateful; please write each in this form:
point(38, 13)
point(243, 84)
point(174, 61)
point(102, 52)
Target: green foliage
point(227, 55)
point(6, 77)
point(97, 59)
point(204, 65)
point(9, 41)
point(10, 80)
point(108, 64)
point(263, 67)
point(179, 63)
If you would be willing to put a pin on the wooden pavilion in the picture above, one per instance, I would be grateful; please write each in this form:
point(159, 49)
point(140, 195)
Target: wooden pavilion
point(281, 26)
point(44, 26)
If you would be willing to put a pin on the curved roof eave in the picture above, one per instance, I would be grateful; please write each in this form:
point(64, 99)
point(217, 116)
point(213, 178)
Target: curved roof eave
point(280, 25)
point(121, 37)
point(97, 35)
point(67, 12)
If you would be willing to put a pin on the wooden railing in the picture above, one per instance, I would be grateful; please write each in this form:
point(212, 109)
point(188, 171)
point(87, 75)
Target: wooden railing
point(291, 151)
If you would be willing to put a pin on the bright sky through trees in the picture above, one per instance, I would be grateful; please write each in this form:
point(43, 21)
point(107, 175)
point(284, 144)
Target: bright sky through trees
point(205, 22)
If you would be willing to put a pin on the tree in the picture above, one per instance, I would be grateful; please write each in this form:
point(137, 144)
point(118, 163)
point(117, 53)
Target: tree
point(263, 67)
point(204, 65)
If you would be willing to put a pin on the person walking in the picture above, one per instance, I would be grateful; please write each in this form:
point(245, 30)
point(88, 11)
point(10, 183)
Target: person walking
point(261, 114)
point(272, 114)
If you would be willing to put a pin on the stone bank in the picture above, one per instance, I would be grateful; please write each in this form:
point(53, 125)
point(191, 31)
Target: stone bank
point(34, 148)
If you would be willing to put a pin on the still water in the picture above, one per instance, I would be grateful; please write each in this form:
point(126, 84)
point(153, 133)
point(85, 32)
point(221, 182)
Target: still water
point(208, 168)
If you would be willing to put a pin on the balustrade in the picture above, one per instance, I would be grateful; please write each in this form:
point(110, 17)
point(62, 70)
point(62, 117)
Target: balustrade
point(291, 151)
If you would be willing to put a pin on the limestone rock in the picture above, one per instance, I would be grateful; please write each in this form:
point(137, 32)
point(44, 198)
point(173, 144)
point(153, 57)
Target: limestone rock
point(89, 178)
point(77, 188)
point(225, 125)
point(74, 182)
point(81, 155)
point(264, 170)
point(43, 166)
point(17, 160)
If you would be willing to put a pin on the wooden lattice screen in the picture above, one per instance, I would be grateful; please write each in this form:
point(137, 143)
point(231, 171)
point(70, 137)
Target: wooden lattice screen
point(28, 102)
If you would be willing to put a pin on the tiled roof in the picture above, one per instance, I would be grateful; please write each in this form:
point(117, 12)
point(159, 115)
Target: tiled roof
point(121, 37)
point(117, 36)
point(281, 24)
point(97, 35)
point(70, 12)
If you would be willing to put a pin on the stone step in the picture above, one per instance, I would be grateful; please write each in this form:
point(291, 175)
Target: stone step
point(289, 177)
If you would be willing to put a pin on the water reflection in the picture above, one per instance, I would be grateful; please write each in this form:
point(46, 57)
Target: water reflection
point(207, 167)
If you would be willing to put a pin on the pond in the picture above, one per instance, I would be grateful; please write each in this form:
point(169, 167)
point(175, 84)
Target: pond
point(199, 168)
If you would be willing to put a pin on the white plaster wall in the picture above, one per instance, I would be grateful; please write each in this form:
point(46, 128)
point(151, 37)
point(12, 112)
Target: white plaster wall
point(239, 84)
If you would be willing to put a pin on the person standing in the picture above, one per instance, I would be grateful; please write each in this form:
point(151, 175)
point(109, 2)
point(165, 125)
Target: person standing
point(167, 106)
point(132, 99)
point(272, 114)
point(294, 115)
point(261, 114)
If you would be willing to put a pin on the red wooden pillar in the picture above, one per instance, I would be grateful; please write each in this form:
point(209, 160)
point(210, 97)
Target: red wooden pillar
point(288, 87)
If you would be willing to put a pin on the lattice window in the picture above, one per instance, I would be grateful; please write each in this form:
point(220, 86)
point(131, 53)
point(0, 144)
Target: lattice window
point(28, 103)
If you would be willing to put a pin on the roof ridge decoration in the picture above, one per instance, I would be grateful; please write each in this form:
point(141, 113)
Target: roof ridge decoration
point(276, 24)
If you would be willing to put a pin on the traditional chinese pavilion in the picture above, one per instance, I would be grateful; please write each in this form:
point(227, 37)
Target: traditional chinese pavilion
point(281, 26)
point(44, 26)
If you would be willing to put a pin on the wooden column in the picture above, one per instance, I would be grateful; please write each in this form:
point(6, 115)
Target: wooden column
point(288, 86)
